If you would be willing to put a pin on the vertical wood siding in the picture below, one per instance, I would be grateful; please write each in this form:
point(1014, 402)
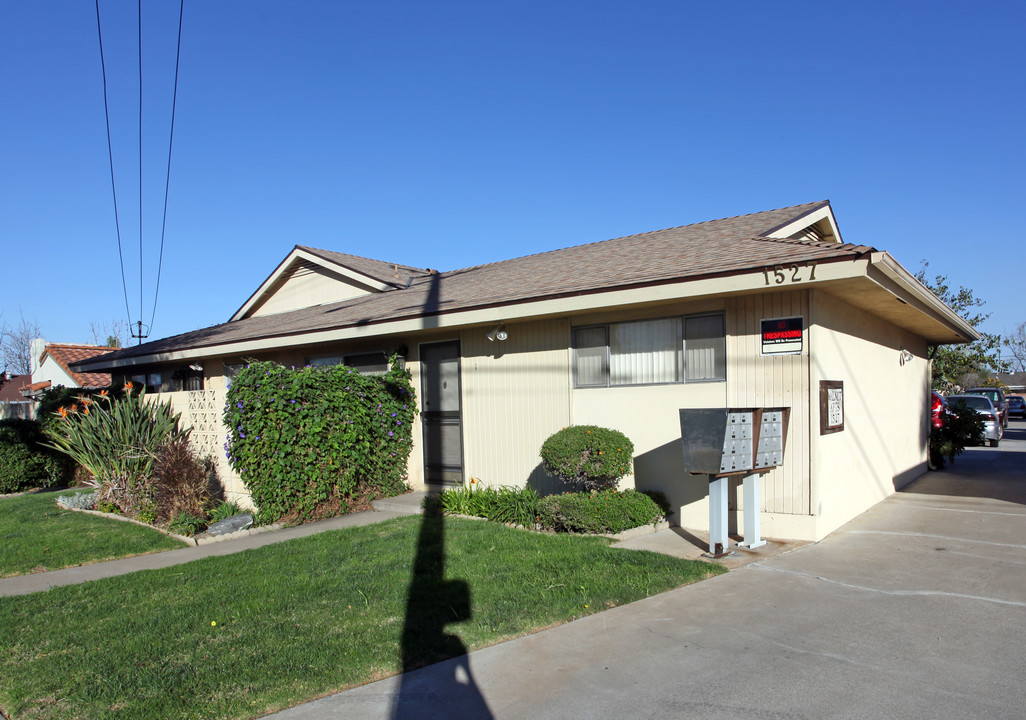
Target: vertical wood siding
point(757, 381)
point(515, 394)
point(306, 285)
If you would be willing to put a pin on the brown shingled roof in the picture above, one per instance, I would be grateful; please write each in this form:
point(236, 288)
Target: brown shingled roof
point(389, 273)
point(65, 354)
point(707, 249)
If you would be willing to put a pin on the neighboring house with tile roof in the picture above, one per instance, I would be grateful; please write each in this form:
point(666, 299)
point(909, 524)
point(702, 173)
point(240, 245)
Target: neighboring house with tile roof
point(52, 366)
point(757, 310)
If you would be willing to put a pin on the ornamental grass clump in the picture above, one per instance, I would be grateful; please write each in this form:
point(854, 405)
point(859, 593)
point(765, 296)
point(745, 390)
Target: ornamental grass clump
point(588, 457)
point(508, 505)
point(316, 441)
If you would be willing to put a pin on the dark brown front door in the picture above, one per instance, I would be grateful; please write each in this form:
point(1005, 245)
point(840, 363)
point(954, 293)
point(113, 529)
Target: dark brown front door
point(443, 431)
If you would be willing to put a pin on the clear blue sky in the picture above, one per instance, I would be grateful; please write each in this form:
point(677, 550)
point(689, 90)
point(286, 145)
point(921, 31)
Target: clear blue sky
point(450, 134)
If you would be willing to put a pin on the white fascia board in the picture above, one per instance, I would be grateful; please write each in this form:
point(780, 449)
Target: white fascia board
point(291, 259)
point(748, 282)
point(914, 292)
point(823, 213)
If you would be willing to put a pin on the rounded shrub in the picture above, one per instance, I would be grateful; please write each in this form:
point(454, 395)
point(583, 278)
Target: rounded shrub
point(24, 462)
point(606, 511)
point(588, 456)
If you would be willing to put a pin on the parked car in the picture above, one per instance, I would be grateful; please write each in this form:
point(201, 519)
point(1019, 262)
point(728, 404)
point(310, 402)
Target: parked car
point(938, 410)
point(1016, 406)
point(997, 397)
point(993, 431)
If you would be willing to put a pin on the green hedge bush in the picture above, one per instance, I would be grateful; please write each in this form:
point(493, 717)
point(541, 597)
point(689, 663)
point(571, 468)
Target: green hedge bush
point(24, 462)
point(605, 511)
point(588, 456)
point(309, 442)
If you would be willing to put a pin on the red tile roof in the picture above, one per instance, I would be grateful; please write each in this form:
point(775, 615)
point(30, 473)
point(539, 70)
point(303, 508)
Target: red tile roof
point(65, 354)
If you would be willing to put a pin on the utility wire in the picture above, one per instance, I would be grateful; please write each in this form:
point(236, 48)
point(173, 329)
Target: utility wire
point(110, 154)
point(170, 143)
point(140, 336)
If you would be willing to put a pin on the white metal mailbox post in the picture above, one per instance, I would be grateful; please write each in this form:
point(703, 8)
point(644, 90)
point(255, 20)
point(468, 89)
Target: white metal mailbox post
point(727, 442)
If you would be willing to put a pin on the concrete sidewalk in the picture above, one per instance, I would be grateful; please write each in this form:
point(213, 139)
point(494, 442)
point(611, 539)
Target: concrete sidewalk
point(916, 609)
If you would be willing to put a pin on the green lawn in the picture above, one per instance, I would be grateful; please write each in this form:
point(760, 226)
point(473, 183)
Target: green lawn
point(243, 635)
point(36, 535)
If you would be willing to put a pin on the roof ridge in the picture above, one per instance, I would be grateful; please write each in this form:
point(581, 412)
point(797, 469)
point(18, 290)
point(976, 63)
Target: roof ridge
point(80, 345)
point(362, 257)
point(811, 206)
point(806, 242)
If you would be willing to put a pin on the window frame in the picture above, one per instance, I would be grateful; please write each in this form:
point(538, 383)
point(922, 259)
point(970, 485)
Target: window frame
point(682, 356)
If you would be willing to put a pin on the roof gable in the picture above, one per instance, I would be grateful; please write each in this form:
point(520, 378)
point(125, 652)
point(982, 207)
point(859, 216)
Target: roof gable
point(308, 277)
point(65, 354)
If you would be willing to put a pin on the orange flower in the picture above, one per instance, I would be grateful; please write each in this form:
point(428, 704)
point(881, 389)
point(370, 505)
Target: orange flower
point(129, 385)
point(84, 400)
point(85, 409)
point(103, 393)
point(63, 412)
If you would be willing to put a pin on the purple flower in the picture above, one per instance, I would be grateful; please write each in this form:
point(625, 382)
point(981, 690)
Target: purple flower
point(390, 433)
point(292, 401)
point(239, 404)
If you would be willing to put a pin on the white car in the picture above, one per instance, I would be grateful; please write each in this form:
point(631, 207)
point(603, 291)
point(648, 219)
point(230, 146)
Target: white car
point(992, 428)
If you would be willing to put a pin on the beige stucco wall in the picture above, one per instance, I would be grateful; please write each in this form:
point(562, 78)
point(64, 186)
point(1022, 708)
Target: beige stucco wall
point(886, 401)
point(649, 416)
point(515, 394)
point(202, 411)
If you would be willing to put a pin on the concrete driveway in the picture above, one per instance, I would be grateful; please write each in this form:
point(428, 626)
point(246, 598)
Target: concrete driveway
point(916, 609)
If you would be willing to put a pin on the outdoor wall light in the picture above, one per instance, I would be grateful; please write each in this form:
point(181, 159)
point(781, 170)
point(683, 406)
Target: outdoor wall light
point(498, 333)
point(905, 357)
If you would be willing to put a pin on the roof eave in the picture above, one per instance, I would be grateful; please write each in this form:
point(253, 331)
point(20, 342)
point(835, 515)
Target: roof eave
point(907, 289)
point(737, 282)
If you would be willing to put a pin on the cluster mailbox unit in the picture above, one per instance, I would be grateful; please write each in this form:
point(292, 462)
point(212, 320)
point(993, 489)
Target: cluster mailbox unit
point(727, 442)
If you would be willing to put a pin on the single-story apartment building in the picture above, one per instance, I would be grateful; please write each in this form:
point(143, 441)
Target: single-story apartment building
point(770, 309)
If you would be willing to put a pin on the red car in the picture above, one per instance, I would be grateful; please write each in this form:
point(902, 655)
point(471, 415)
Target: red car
point(938, 411)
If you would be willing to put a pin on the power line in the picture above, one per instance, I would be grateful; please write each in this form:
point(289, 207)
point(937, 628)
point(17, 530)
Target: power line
point(170, 143)
point(140, 336)
point(167, 182)
point(110, 154)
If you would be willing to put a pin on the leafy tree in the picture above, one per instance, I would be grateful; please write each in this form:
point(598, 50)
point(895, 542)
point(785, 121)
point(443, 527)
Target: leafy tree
point(953, 364)
point(1016, 345)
